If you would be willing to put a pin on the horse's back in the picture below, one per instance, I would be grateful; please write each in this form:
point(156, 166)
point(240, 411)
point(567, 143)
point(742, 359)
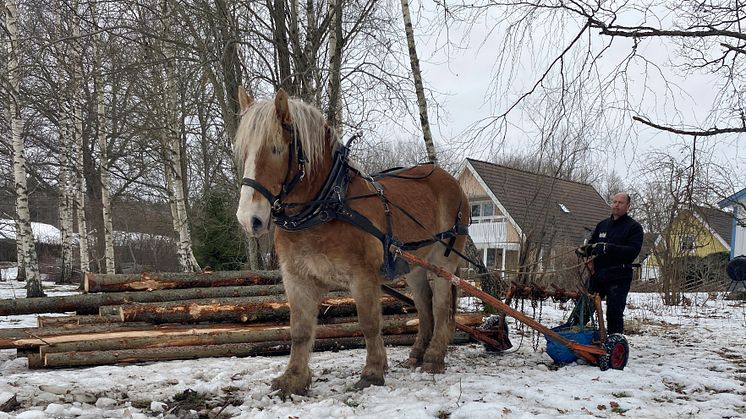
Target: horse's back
point(428, 194)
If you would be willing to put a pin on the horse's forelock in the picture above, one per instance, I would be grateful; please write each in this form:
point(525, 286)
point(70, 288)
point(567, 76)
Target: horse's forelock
point(260, 121)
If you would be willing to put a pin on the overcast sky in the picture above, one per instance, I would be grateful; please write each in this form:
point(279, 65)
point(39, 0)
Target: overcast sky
point(464, 80)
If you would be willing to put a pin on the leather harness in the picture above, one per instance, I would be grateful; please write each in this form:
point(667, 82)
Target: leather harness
point(331, 203)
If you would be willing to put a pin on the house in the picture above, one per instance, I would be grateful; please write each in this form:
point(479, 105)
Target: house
point(700, 235)
point(520, 217)
point(737, 204)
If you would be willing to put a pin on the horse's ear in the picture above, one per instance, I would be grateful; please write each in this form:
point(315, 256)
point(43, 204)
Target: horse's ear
point(244, 100)
point(281, 106)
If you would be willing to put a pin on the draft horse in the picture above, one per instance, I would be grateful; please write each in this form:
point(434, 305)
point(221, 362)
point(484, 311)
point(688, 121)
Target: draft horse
point(334, 228)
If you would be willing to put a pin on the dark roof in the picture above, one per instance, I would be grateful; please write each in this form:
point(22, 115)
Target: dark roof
point(533, 202)
point(720, 221)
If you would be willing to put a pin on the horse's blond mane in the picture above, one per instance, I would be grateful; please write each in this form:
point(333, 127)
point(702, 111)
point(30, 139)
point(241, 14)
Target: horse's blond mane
point(260, 123)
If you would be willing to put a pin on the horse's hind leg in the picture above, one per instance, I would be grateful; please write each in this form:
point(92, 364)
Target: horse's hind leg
point(303, 297)
point(442, 312)
point(422, 295)
point(366, 293)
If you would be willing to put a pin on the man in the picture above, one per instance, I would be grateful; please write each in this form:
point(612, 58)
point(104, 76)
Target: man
point(615, 243)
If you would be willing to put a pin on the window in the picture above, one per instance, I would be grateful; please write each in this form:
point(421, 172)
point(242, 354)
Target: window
point(491, 258)
point(476, 210)
point(484, 212)
point(687, 243)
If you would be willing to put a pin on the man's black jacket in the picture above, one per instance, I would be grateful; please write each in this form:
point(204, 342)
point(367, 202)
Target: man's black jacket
point(618, 244)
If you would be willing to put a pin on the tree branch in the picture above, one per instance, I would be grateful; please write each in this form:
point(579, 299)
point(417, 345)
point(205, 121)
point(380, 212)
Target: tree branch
point(697, 133)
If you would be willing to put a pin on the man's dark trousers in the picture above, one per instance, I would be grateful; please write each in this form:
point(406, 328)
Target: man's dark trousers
point(615, 293)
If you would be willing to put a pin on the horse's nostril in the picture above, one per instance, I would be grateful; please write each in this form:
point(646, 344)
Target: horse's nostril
point(256, 223)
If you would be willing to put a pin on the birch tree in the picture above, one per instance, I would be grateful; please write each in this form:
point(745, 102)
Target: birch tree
point(66, 174)
point(102, 143)
point(24, 234)
point(418, 85)
point(334, 115)
point(78, 144)
point(172, 142)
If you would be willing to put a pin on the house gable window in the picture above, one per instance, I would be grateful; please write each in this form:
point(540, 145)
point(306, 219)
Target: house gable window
point(484, 212)
point(687, 243)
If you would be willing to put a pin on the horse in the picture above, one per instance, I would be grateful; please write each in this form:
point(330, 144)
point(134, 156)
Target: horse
point(285, 152)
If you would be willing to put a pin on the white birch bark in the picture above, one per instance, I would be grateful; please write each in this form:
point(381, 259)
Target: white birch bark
point(335, 65)
point(103, 154)
point(418, 85)
point(65, 173)
point(24, 234)
point(173, 148)
point(80, 184)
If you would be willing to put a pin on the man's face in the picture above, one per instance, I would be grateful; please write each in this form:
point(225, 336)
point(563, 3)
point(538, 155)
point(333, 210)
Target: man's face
point(619, 205)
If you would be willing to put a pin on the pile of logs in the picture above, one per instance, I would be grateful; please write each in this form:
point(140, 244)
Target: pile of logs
point(155, 317)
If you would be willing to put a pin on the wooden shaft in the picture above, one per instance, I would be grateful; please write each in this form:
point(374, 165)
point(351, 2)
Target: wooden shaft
point(601, 321)
point(587, 352)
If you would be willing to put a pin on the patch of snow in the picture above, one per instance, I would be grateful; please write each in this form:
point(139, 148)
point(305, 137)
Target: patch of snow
point(43, 233)
point(685, 362)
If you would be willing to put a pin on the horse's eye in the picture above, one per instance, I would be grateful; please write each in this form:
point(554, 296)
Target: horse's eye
point(276, 149)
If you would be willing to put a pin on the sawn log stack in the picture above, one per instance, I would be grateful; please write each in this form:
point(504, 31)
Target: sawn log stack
point(152, 317)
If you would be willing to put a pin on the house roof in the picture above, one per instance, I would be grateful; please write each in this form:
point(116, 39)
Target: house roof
point(535, 202)
point(733, 199)
point(720, 222)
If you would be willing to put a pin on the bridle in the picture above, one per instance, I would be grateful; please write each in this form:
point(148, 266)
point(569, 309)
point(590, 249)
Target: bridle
point(276, 201)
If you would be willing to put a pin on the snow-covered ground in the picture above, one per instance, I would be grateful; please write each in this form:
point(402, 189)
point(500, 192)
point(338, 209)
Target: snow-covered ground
point(685, 362)
point(43, 233)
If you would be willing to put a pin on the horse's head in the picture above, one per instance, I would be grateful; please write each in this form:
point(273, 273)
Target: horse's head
point(277, 144)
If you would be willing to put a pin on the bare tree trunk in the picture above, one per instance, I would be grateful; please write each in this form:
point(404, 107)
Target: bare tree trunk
point(281, 46)
point(24, 234)
point(418, 85)
point(66, 197)
point(63, 179)
point(103, 153)
point(335, 66)
point(80, 184)
point(173, 148)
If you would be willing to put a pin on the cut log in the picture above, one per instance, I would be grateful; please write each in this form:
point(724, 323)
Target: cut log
point(222, 334)
point(94, 282)
point(250, 309)
point(27, 337)
point(74, 321)
point(90, 303)
point(70, 359)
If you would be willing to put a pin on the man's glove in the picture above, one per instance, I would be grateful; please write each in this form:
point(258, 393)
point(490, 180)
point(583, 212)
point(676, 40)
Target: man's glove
point(600, 249)
point(585, 250)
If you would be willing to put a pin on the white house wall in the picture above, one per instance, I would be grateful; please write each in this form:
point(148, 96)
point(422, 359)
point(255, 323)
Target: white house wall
point(739, 232)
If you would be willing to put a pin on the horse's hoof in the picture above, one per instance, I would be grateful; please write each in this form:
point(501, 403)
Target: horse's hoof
point(289, 384)
point(413, 362)
point(366, 382)
point(434, 367)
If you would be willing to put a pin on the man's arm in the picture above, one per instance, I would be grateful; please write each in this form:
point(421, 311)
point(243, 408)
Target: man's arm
point(630, 249)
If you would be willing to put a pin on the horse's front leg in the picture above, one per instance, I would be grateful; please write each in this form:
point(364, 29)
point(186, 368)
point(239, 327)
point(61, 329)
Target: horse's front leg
point(366, 293)
point(303, 297)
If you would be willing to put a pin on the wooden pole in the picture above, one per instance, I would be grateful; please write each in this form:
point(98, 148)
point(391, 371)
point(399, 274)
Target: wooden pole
point(588, 352)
